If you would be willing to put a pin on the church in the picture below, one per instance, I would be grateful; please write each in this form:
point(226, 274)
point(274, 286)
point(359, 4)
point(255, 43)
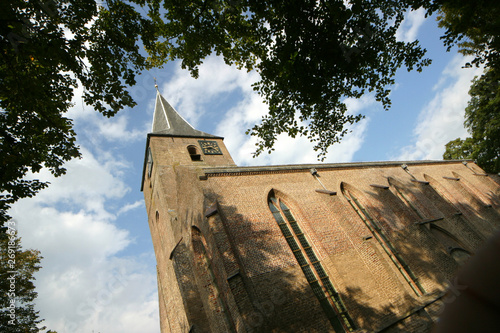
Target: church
point(344, 247)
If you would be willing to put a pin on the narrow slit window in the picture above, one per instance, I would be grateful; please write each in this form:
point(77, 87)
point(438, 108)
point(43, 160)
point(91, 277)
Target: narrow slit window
point(150, 162)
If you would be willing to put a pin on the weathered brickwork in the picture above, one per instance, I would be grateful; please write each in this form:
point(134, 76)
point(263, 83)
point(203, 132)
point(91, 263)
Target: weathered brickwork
point(390, 240)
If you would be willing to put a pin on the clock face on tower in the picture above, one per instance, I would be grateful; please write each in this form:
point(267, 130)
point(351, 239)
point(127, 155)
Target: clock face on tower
point(210, 147)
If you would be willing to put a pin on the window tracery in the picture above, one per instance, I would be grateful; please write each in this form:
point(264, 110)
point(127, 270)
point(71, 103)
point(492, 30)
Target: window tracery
point(314, 272)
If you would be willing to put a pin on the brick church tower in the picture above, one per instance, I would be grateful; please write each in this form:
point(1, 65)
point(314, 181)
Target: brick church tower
point(351, 247)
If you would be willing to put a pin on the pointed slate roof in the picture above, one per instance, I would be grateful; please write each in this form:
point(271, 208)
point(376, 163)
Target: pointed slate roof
point(167, 121)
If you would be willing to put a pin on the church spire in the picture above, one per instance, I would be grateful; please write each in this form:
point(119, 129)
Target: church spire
point(166, 120)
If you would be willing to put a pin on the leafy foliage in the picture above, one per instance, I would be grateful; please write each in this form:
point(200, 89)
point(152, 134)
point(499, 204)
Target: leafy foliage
point(17, 313)
point(482, 120)
point(475, 27)
point(310, 55)
point(459, 149)
point(47, 49)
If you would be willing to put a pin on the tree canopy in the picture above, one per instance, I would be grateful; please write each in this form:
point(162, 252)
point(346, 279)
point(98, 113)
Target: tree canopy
point(482, 120)
point(47, 50)
point(475, 27)
point(17, 266)
point(311, 55)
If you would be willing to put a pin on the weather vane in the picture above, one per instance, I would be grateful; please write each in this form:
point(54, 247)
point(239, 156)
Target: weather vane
point(156, 86)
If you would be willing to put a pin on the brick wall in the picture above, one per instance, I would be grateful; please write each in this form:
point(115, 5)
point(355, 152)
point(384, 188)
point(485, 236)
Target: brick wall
point(387, 249)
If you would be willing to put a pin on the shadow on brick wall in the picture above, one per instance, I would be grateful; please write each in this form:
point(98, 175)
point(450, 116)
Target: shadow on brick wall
point(263, 289)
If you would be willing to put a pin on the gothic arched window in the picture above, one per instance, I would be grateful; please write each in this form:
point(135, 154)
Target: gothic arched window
point(314, 272)
point(374, 226)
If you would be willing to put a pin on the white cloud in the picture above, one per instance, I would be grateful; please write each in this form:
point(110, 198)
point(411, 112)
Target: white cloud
point(104, 297)
point(89, 181)
point(442, 118)
point(191, 96)
point(216, 81)
point(287, 150)
point(85, 284)
point(408, 30)
point(129, 207)
point(115, 129)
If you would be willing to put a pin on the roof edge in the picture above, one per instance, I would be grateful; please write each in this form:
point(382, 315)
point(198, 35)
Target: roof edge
point(208, 136)
point(306, 167)
point(144, 163)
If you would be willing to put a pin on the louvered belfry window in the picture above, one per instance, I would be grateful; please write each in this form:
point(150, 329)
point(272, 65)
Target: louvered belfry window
point(314, 272)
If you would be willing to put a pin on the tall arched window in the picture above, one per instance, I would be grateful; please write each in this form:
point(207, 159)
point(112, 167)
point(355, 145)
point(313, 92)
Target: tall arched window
point(311, 266)
point(481, 226)
point(374, 226)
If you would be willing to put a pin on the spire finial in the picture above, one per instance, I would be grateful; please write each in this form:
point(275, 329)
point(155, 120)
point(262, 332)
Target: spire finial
point(156, 86)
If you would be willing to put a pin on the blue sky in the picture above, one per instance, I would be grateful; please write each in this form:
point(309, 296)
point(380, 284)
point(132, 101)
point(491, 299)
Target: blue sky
point(99, 269)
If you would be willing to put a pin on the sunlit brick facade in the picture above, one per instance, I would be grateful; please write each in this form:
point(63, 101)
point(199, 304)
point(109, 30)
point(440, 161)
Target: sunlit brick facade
point(351, 247)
